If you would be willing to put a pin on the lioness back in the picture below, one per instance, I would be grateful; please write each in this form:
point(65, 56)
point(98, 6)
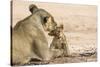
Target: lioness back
point(28, 38)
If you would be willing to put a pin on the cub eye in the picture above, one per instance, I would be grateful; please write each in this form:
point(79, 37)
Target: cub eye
point(58, 31)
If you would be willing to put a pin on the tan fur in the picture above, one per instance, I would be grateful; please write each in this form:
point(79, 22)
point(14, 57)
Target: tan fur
point(28, 38)
point(59, 41)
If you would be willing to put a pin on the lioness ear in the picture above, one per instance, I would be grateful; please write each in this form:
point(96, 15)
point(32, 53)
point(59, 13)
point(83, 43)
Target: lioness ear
point(32, 8)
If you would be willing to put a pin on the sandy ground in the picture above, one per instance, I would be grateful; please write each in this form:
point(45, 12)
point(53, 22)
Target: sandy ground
point(80, 27)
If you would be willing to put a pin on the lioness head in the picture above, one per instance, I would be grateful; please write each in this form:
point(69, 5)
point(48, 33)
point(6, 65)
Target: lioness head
point(46, 19)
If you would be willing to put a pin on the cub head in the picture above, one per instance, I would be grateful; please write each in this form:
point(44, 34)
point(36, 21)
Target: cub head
point(57, 32)
point(46, 18)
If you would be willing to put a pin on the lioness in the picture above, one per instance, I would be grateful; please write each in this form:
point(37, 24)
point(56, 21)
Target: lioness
point(28, 38)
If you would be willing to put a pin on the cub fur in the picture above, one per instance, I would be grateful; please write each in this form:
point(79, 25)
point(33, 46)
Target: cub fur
point(59, 41)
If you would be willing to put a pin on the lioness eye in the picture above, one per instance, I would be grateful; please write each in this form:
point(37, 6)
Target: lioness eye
point(45, 19)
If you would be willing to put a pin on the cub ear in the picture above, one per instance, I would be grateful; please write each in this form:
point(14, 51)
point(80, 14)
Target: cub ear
point(62, 26)
point(32, 8)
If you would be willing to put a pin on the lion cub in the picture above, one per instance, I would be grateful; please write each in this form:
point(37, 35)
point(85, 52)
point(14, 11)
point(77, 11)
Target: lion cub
point(59, 41)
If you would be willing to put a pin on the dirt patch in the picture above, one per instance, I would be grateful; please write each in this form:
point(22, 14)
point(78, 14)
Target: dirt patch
point(90, 57)
point(74, 59)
